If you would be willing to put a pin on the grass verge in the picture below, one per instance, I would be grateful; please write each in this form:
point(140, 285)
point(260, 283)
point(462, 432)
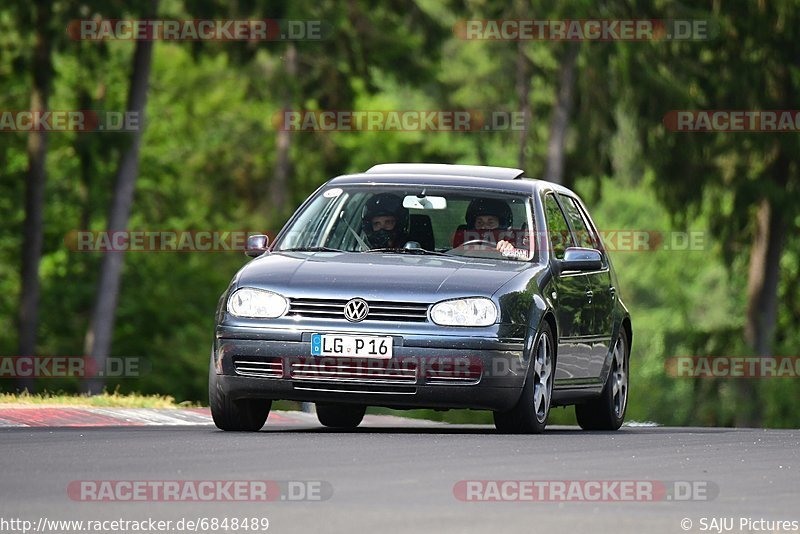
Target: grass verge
point(104, 400)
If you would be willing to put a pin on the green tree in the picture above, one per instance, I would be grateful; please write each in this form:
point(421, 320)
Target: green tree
point(747, 180)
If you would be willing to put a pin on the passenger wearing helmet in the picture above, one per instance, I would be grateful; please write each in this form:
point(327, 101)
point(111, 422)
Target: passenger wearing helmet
point(491, 214)
point(384, 221)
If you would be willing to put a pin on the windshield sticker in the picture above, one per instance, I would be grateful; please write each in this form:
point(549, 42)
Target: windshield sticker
point(515, 253)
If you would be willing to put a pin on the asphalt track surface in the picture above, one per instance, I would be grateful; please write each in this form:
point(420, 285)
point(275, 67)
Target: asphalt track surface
point(401, 478)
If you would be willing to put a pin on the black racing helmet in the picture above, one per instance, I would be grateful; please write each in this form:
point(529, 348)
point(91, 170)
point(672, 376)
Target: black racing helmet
point(490, 206)
point(384, 204)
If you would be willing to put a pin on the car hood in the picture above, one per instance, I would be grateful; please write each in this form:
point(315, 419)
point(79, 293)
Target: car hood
point(377, 276)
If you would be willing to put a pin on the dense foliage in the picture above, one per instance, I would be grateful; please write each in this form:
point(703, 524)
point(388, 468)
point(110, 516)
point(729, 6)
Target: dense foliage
point(210, 154)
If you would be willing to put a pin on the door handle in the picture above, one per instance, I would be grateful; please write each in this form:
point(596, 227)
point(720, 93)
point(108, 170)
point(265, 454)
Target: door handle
point(589, 294)
point(613, 291)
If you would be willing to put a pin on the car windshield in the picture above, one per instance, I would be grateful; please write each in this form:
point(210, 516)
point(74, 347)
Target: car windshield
point(413, 220)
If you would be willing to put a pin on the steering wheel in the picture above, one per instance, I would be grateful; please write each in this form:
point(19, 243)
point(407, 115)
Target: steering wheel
point(476, 242)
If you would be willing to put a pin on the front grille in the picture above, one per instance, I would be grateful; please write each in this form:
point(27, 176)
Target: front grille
point(389, 389)
point(247, 366)
point(378, 310)
point(355, 371)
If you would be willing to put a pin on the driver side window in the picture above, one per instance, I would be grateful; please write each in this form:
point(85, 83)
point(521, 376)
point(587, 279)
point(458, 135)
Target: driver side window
point(557, 228)
point(584, 236)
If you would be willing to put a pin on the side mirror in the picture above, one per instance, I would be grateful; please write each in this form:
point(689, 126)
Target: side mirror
point(581, 259)
point(257, 245)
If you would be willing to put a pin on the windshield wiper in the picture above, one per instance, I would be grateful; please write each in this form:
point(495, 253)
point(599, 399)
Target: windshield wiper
point(420, 251)
point(310, 249)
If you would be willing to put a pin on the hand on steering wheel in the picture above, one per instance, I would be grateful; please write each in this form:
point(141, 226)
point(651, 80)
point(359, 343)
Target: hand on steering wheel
point(503, 246)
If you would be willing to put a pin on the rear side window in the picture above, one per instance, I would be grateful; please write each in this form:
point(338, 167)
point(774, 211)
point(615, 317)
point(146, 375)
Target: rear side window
point(557, 228)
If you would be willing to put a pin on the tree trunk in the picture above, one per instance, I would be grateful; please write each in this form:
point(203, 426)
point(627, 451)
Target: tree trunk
point(83, 149)
point(523, 92)
point(280, 177)
point(559, 122)
point(762, 301)
point(98, 338)
point(32, 240)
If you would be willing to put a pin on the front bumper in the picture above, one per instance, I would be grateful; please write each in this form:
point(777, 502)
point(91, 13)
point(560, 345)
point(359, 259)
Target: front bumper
point(425, 371)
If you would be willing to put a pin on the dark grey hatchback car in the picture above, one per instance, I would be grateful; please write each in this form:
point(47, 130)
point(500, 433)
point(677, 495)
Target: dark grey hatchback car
point(426, 286)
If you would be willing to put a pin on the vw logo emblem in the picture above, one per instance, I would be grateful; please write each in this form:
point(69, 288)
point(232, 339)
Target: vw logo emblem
point(356, 310)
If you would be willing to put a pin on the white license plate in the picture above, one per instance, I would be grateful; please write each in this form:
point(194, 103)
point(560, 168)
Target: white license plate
point(353, 346)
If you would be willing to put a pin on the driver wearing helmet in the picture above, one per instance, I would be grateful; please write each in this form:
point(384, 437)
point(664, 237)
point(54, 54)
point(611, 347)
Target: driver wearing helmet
point(384, 221)
point(491, 214)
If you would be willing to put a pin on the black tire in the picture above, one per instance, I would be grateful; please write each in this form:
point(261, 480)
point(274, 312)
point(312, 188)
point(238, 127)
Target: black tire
point(340, 415)
point(525, 417)
point(244, 415)
point(608, 411)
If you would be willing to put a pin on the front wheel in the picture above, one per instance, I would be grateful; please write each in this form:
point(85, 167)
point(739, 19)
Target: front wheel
point(529, 415)
point(340, 416)
point(608, 411)
point(243, 415)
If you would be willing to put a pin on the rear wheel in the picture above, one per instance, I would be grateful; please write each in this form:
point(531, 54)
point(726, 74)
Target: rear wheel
point(529, 416)
point(608, 412)
point(243, 415)
point(340, 415)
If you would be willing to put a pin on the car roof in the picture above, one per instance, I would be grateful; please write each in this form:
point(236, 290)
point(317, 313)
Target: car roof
point(478, 171)
point(437, 174)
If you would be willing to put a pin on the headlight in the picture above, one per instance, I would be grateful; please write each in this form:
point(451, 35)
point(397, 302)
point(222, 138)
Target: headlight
point(247, 302)
point(476, 311)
